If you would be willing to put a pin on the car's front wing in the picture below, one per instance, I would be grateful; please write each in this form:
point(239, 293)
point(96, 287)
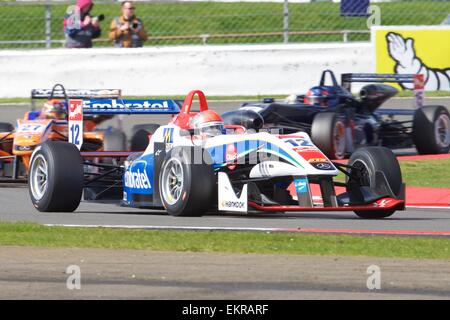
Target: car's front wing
point(383, 204)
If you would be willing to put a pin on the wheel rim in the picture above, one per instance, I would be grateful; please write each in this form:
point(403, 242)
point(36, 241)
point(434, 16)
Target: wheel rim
point(39, 177)
point(442, 131)
point(339, 140)
point(172, 181)
point(363, 176)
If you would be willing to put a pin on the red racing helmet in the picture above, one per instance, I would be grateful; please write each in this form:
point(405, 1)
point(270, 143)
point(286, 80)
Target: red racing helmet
point(207, 123)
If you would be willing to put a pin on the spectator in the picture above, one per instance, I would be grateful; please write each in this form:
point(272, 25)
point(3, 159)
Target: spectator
point(80, 28)
point(127, 31)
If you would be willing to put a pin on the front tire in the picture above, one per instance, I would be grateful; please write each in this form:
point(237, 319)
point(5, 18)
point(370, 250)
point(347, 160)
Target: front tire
point(140, 136)
point(431, 130)
point(368, 160)
point(186, 188)
point(55, 180)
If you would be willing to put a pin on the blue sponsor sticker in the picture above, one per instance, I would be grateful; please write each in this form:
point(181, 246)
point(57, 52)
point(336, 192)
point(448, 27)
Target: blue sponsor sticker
point(301, 185)
point(138, 178)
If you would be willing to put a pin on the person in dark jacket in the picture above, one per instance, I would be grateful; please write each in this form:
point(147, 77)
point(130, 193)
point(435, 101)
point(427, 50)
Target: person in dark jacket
point(79, 27)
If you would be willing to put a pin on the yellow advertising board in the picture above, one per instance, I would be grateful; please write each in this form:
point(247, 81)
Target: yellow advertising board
point(414, 50)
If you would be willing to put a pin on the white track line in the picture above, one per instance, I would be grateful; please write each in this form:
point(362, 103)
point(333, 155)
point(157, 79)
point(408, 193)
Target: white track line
point(267, 230)
point(428, 207)
point(160, 227)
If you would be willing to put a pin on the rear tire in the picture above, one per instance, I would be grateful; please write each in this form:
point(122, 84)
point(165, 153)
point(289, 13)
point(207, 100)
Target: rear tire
point(328, 134)
point(186, 189)
point(6, 166)
point(369, 160)
point(140, 136)
point(431, 130)
point(6, 127)
point(55, 181)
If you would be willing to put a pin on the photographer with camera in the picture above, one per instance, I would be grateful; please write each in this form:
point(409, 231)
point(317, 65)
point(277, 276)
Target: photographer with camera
point(79, 27)
point(127, 31)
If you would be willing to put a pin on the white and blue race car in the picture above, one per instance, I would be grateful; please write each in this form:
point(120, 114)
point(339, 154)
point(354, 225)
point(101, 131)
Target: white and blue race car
point(189, 174)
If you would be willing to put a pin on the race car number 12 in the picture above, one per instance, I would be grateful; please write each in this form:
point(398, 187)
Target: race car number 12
point(76, 122)
point(75, 133)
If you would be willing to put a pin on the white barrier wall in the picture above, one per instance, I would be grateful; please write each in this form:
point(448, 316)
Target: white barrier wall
point(217, 70)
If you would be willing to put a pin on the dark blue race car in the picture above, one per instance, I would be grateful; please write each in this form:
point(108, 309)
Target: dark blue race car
point(339, 122)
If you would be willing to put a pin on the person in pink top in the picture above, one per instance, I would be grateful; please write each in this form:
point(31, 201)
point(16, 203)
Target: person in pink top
point(79, 27)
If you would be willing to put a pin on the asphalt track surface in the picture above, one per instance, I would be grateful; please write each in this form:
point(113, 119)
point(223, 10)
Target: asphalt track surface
point(16, 206)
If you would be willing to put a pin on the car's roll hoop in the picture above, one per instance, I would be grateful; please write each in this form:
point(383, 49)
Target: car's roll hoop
point(183, 118)
point(187, 104)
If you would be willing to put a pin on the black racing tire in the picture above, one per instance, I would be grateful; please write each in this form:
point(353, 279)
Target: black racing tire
point(328, 134)
point(139, 136)
point(6, 127)
point(196, 183)
point(431, 130)
point(62, 167)
point(114, 140)
point(5, 167)
point(371, 159)
point(150, 127)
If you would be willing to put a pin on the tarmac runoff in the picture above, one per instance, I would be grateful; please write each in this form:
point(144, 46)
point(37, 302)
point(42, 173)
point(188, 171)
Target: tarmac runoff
point(41, 273)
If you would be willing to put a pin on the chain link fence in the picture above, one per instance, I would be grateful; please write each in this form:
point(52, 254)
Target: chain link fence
point(39, 24)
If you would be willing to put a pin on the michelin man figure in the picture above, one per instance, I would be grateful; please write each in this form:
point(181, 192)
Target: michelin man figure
point(402, 51)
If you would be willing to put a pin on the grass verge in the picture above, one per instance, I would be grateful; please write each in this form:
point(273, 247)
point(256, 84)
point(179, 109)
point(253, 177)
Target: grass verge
point(432, 173)
point(31, 234)
point(431, 94)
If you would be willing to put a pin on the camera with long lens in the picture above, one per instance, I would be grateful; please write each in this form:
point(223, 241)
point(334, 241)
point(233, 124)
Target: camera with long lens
point(135, 25)
point(99, 18)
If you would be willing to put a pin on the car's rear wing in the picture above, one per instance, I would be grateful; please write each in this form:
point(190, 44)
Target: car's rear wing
point(127, 106)
point(417, 79)
point(80, 107)
point(348, 78)
point(75, 93)
point(58, 91)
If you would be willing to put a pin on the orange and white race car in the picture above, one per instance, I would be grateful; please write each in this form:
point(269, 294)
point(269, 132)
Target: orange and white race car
point(50, 123)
